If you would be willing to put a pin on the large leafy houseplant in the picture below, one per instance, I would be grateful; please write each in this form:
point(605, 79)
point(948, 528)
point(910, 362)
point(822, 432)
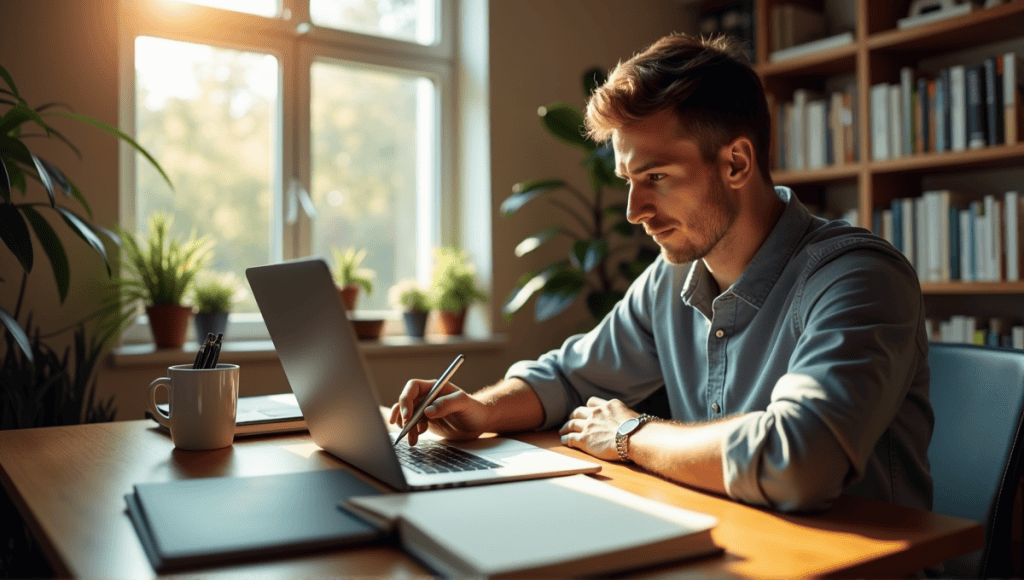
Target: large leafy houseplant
point(40, 383)
point(606, 251)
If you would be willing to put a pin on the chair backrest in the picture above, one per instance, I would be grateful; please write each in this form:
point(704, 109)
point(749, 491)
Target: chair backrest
point(977, 394)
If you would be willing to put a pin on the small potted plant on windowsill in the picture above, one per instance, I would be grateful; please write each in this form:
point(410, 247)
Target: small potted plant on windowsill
point(159, 272)
point(414, 301)
point(351, 276)
point(213, 296)
point(454, 288)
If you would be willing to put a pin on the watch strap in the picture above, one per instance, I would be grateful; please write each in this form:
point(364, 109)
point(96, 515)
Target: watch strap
point(622, 441)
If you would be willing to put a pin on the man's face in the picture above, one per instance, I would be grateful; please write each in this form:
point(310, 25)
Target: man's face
point(679, 199)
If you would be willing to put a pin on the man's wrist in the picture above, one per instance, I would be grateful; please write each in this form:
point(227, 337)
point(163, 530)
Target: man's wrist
point(625, 430)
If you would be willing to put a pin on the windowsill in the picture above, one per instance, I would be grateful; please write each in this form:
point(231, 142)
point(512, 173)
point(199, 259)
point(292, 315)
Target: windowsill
point(263, 350)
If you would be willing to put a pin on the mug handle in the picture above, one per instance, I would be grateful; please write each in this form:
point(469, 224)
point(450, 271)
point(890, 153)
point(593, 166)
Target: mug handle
point(164, 420)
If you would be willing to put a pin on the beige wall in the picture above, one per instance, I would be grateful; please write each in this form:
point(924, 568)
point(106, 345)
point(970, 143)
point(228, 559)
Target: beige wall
point(67, 50)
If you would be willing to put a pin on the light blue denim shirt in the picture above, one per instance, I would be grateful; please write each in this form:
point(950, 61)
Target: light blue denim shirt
point(821, 342)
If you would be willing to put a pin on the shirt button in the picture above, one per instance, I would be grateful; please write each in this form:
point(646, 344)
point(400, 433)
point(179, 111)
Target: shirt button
point(716, 408)
point(719, 333)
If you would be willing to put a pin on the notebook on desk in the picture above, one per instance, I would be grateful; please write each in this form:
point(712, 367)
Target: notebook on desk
point(259, 415)
point(320, 354)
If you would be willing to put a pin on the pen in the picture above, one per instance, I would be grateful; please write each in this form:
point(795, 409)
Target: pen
point(434, 392)
point(201, 355)
point(213, 358)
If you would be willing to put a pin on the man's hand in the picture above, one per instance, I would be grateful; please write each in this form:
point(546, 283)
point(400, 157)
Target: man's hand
point(453, 415)
point(592, 428)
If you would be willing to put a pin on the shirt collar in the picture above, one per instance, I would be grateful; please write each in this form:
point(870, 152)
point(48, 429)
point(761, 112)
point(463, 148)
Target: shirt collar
point(764, 270)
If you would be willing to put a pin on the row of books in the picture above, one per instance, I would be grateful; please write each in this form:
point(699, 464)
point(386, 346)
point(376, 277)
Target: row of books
point(735, 19)
point(814, 131)
point(978, 330)
point(960, 107)
point(948, 236)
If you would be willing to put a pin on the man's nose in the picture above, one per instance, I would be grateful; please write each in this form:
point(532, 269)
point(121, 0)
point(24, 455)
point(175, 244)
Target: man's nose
point(638, 206)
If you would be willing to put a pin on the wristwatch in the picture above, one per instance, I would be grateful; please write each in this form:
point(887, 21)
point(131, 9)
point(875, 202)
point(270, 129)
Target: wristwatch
point(627, 428)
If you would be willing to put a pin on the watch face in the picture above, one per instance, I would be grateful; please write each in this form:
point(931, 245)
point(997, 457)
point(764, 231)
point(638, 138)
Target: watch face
point(628, 426)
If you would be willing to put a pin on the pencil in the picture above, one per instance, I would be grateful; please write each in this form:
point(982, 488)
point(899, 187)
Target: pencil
point(216, 352)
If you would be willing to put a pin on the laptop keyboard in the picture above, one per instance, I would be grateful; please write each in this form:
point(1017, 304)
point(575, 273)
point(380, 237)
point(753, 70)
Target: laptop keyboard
point(429, 456)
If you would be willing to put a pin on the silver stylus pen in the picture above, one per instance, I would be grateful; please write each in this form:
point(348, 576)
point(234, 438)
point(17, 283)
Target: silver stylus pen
point(434, 392)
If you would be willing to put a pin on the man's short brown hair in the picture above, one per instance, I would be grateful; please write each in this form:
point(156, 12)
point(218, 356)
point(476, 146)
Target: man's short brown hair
point(707, 82)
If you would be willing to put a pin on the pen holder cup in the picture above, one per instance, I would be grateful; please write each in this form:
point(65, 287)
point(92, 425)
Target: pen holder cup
point(202, 405)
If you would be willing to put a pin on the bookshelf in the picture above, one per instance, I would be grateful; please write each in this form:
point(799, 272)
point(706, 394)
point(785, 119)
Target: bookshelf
point(878, 53)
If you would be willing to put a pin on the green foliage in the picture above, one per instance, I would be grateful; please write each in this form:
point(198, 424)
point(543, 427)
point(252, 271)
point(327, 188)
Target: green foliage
point(38, 385)
point(409, 295)
point(19, 220)
point(348, 270)
point(605, 252)
point(454, 281)
point(160, 269)
point(214, 293)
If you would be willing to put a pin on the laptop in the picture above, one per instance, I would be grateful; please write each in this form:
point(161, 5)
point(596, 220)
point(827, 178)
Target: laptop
point(319, 351)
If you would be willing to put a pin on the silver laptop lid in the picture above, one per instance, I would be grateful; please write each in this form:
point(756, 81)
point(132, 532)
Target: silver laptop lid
point(320, 354)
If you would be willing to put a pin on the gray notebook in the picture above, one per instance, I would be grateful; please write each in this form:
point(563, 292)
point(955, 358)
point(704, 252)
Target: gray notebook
point(203, 522)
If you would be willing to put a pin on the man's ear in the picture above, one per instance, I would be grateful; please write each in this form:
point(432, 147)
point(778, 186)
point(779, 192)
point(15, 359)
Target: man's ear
point(736, 162)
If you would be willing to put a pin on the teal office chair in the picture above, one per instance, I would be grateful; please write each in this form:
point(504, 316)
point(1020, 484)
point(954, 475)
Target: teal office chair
point(975, 453)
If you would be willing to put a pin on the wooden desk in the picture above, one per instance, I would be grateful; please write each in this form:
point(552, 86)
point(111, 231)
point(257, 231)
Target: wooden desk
point(69, 484)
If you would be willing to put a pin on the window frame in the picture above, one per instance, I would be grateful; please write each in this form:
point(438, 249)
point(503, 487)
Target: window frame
point(297, 44)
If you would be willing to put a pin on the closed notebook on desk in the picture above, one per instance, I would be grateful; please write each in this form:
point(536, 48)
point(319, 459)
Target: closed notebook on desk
point(560, 527)
point(203, 522)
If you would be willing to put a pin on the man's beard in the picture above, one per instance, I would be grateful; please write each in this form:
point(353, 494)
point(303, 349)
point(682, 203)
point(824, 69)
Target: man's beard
point(708, 225)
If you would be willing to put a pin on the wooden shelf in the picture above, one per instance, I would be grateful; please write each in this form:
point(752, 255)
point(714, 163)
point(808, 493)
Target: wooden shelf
point(952, 161)
point(971, 288)
point(824, 176)
point(877, 55)
point(983, 26)
point(829, 62)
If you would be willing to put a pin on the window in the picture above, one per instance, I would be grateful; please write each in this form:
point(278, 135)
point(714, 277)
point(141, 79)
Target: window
point(290, 127)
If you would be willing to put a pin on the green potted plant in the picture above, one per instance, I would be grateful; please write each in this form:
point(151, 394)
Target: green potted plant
point(213, 296)
point(606, 252)
point(454, 288)
point(350, 275)
point(42, 381)
point(159, 271)
point(413, 299)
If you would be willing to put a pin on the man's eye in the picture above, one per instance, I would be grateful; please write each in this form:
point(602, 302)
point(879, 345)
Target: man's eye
point(655, 176)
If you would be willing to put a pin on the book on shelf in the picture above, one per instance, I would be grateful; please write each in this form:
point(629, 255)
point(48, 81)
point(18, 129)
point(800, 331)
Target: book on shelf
point(895, 121)
point(817, 134)
point(906, 107)
point(1013, 85)
point(880, 121)
point(976, 121)
point(924, 138)
point(958, 107)
point(1013, 229)
point(968, 251)
point(835, 41)
point(793, 24)
point(935, 15)
point(559, 527)
point(941, 111)
point(993, 100)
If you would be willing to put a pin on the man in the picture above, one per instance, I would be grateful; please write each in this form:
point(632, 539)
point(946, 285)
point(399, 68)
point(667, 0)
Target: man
point(792, 349)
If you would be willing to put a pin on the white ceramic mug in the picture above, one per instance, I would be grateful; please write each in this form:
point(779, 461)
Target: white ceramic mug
point(203, 403)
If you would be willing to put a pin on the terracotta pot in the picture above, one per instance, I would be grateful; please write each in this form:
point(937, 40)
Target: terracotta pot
point(169, 324)
point(452, 323)
point(349, 295)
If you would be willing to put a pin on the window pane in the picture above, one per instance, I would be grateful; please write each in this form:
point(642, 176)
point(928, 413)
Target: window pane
point(268, 8)
point(210, 118)
point(374, 142)
point(409, 20)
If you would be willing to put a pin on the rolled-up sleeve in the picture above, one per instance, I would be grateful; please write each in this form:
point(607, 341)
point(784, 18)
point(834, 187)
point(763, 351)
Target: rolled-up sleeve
point(617, 359)
point(858, 315)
